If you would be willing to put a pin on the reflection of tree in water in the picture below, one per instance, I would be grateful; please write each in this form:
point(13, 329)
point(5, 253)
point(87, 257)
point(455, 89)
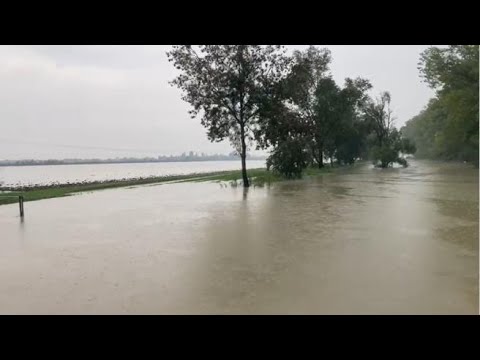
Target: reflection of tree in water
point(258, 246)
point(245, 193)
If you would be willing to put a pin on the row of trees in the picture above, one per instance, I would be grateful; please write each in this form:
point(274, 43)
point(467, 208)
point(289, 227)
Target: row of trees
point(448, 127)
point(259, 96)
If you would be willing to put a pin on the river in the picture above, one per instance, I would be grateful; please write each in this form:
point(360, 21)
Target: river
point(48, 174)
point(358, 241)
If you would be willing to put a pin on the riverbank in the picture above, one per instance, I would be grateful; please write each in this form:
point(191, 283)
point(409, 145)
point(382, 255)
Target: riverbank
point(258, 177)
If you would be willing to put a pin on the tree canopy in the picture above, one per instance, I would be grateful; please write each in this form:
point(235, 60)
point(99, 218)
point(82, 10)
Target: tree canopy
point(293, 107)
point(225, 85)
point(448, 127)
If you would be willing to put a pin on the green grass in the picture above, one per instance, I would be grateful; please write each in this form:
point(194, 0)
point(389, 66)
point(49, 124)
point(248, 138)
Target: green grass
point(258, 177)
point(53, 191)
point(315, 171)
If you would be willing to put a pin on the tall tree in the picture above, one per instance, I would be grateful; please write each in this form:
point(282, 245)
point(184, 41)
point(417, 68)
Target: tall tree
point(284, 132)
point(379, 117)
point(226, 85)
point(448, 127)
point(302, 89)
point(326, 126)
point(352, 131)
point(426, 130)
point(330, 113)
point(386, 142)
point(309, 111)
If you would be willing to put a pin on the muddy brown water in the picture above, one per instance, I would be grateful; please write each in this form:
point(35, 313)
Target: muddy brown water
point(360, 241)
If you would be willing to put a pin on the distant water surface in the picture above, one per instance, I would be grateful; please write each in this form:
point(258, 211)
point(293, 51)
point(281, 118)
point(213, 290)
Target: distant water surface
point(48, 174)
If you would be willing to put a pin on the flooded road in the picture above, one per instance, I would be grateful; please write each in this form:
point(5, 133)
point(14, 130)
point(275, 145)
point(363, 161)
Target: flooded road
point(359, 241)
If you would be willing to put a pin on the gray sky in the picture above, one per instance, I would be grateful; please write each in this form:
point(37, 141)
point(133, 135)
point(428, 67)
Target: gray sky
point(114, 101)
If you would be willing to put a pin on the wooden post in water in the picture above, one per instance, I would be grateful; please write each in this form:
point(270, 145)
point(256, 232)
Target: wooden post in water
point(20, 203)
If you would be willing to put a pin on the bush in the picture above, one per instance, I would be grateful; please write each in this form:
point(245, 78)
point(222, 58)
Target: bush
point(289, 158)
point(384, 155)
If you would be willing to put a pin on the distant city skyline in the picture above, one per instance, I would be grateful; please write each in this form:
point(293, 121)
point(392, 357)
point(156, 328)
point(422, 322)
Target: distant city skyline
point(184, 156)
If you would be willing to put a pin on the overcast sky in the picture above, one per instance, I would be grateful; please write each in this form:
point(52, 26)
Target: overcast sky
point(114, 101)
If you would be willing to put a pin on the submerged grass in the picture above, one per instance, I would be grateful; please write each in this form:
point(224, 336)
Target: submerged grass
point(258, 177)
point(9, 195)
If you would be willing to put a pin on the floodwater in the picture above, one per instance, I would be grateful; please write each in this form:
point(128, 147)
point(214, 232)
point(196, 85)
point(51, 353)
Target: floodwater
point(360, 241)
point(48, 174)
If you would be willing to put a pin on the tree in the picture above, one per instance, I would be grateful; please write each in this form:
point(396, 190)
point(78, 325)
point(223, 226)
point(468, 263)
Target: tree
point(330, 115)
point(289, 157)
point(327, 120)
point(308, 108)
point(448, 127)
point(339, 115)
point(451, 68)
point(352, 131)
point(226, 86)
point(303, 87)
point(386, 142)
point(426, 130)
point(289, 117)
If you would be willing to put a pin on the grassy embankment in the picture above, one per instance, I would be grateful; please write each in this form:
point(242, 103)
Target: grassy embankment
point(258, 177)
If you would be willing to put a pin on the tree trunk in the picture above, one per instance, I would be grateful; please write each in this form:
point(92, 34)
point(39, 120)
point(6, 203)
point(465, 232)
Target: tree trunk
point(320, 158)
point(313, 156)
point(244, 170)
point(241, 89)
point(244, 157)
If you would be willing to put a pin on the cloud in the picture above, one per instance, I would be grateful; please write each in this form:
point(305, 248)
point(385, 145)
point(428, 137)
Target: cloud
point(118, 97)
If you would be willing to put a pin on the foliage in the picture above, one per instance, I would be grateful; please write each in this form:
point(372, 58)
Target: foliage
point(304, 87)
point(308, 104)
point(448, 127)
point(289, 158)
point(349, 132)
point(293, 107)
point(385, 141)
point(225, 85)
